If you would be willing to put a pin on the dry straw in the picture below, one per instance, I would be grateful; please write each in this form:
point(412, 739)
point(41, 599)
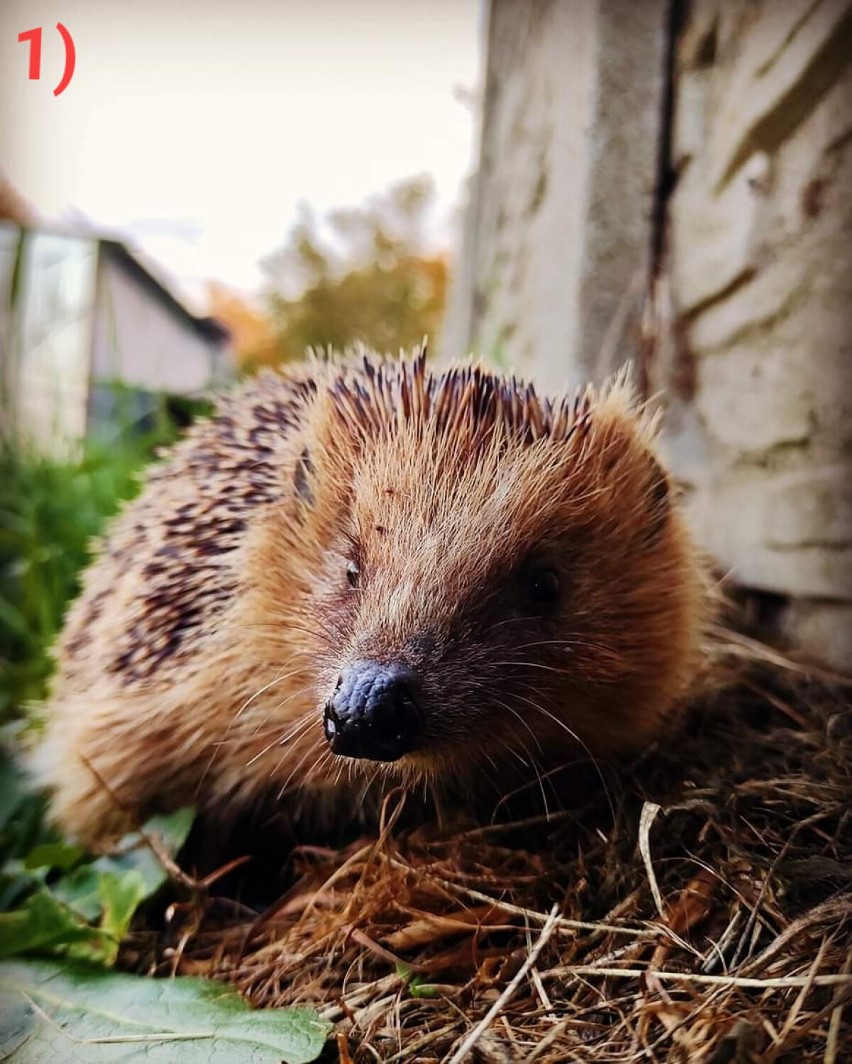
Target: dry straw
point(699, 912)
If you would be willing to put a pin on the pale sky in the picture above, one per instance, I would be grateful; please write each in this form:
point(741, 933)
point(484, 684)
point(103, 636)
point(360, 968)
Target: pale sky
point(198, 125)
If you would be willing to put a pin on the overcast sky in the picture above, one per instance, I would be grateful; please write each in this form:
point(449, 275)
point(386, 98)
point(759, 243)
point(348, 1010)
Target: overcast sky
point(199, 125)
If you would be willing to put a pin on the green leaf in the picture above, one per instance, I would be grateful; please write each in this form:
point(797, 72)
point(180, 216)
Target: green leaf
point(12, 788)
point(60, 855)
point(13, 619)
point(419, 988)
point(83, 888)
point(417, 985)
point(14, 886)
point(88, 1015)
point(80, 890)
point(171, 828)
point(41, 925)
point(133, 854)
point(120, 897)
point(105, 892)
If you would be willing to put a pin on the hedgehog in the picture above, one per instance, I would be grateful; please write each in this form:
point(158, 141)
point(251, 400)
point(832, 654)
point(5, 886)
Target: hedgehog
point(363, 573)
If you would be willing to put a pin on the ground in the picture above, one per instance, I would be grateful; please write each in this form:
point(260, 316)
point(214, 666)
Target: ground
point(699, 908)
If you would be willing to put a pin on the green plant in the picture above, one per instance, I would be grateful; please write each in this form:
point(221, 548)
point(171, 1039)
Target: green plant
point(64, 912)
point(68, 913)
point(50, 512)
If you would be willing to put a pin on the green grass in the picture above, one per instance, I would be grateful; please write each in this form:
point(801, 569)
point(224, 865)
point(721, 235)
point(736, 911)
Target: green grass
point(50, 512)
point(63, 912)
point(53, 897)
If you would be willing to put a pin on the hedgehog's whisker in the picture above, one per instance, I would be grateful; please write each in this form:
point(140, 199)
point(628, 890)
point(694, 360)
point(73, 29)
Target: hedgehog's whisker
point(279, 626)
point(490, 760)
point(438, 795)
point(370, 779)
point(592, 759)
point(226, 739)
point(530, 761)
point(278, 679)
point(514, 620)
point(540, 780)
point(554, 643)
point(265, 727)
point(297, 729)
point(533, 763)
point(550, 668)
point(525, 723)
point(326, 630)
point(525, 755)
point(513, 751)
point(318, 762)
point(283, 790)
point(533, 760)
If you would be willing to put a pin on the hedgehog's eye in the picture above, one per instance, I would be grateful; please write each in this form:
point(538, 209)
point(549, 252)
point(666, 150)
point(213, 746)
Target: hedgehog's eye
point(543, 587)
point(353, 574)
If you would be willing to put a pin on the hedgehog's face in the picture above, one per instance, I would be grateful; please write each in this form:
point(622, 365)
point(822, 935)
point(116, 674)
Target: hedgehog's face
point(514, 603)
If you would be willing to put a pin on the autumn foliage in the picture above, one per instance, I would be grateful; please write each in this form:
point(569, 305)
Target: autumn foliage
point(363, 273)
point(252, 335)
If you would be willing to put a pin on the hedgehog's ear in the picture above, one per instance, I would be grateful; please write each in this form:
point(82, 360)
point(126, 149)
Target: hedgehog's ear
point(658, 500)
point(302, 475)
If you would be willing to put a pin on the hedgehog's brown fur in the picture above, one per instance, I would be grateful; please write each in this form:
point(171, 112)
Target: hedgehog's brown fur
point(195, 664)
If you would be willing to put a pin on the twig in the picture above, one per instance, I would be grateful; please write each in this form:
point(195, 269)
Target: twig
point(827, 911)
point(500, 1003)
point(646, 819)
point(784, 982)
point(740, 645)
point(562, 922)
point(556, 1031)
point(833, 1037)
point(336, 1010)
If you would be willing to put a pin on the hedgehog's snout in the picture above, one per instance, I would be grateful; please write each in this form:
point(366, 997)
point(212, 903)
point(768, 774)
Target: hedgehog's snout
point(374, 712)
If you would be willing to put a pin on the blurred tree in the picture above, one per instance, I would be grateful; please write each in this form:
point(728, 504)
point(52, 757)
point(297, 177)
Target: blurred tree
point(362, 273)
point(252, 334)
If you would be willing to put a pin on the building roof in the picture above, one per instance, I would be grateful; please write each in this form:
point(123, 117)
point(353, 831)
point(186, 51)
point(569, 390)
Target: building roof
point(144, 270)
point(148, 274)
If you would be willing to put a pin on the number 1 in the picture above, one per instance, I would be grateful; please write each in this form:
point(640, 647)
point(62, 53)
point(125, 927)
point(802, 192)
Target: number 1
point(34, 37)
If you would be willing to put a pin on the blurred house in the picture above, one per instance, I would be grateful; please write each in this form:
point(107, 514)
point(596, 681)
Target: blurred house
point(92, 339)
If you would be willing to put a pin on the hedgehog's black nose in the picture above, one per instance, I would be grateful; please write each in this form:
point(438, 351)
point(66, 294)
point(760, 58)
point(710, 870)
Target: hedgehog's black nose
point(373, 712)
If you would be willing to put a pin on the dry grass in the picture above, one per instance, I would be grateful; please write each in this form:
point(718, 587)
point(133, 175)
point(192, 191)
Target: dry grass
point(700, 911)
